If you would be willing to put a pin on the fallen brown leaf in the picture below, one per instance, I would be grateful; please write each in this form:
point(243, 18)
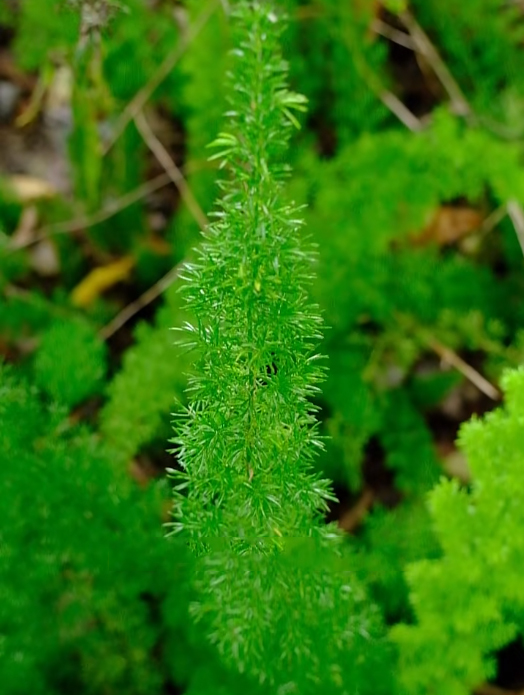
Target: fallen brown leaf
point(448, 225)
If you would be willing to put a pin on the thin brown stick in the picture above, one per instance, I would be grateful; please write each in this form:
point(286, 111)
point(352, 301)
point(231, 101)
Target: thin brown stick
point(464, 368)
point(395, 35)
point(138, 102)
point(423, 44)
point(492, 220)
point(392, 102)
point(353, 517)
point(516, 215)
point(450, 356)
point(79, 223)
point(132, 309)
point(171, 168)
point(403, 114)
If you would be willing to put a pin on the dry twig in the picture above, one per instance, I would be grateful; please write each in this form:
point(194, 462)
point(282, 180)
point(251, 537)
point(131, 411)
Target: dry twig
point(76, 225)
point(492, 220)
point(424, 46)
point(516, 215)
point(171, 169)
point(395, 35)
point(141, 98)
point(401, 111)
point(353, 517)
point(464, 368)
point(450, 356)
point(132, 309)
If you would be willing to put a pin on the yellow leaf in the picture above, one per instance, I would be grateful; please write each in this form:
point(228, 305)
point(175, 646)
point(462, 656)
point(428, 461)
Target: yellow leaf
point(29, 188)
point(101, 279)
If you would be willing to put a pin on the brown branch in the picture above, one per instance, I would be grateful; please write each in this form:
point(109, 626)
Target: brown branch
point(352, 518)
point(79, 223)
point(516, 214)
point(424, 46)
point(138, 102)
point(464, 368)
point(401, 111)
point(132, 309)
point(171, 169)
point(395, 35)
point(450, 356)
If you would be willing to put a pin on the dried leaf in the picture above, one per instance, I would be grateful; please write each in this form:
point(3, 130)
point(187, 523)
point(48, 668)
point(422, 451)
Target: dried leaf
point(30, 188)
point(448, 225)
point(101, 279)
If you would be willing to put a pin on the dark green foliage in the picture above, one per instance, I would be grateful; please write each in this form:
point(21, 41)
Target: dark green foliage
point(407, 441)
point(82, 590)
point(23, 315)
point(338, 63)
point(143, 394)
point(70, 364)
point(482, 55)
point(370, 274)
point(391, 540)
point(469, 602)
point(355, 416)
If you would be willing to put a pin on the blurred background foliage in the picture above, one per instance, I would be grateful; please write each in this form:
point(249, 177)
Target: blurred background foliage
point(409, 163)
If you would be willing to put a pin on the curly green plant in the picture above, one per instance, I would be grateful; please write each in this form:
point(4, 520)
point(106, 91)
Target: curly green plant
point(469, 603)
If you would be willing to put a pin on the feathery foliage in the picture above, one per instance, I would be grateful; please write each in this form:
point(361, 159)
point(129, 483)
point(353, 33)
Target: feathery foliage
point(84, 571)
point(468, 603)
point(247, 493)
point(70, 377)
point(250, 428)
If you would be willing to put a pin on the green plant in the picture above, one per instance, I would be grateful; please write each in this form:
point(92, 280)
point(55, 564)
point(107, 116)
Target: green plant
point(468, 603)
point(379, 291)
point(71, 375)
point(481, 55)
point(99, 568)
point(151, 370)
point(247, 499)
point(339, 65)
